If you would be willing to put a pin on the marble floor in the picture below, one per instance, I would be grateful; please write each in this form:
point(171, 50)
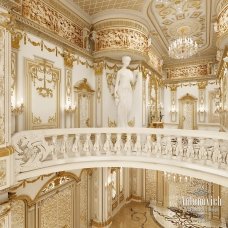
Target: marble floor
point(134, 215)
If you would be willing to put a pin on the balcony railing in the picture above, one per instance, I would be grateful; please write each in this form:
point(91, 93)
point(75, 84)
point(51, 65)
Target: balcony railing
point(56, 149)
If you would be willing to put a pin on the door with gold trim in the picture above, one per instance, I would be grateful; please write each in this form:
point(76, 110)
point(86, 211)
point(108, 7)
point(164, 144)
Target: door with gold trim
point(187, 117)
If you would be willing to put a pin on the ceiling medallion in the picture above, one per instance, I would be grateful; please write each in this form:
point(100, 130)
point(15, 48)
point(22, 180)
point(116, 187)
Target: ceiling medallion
point(184, 46)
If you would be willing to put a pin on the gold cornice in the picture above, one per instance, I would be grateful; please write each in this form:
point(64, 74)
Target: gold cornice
point(194, 61)
point(6, 151)
point(16, 37)
point(186, 80)
point(202, 85)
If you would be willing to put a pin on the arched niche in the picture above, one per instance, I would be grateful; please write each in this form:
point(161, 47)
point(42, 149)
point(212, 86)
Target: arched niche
point(84, 96)
point(188, 112)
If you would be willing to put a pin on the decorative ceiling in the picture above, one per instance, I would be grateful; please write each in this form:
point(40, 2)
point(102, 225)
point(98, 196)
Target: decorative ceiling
point(183, 17)
point(94, 6)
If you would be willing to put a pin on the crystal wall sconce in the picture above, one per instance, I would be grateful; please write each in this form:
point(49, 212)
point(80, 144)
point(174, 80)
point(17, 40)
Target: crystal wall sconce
point(70, 108)
point(18, 108)
point(173, 113)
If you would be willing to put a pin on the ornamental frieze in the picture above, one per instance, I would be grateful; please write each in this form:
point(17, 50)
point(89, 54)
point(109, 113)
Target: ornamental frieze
point(47, 17)
point(121, 38)
point(193, 71)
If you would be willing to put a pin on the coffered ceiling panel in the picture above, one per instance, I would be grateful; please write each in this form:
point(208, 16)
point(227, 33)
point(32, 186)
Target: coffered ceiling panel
point(94, 6)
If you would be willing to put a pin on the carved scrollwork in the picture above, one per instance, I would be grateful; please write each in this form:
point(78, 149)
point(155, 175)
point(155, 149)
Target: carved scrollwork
point(123, 38)
point(44, 15)
point(31, 150)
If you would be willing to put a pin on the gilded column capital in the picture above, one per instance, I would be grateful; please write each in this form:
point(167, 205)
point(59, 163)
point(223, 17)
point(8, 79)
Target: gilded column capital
point(173, 87)
point(98, 67)
point(202, 85)
point(68, 59)
point(16, 37)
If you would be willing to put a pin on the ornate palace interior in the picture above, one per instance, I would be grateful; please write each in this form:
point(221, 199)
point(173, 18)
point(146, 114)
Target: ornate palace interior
point(65, 162)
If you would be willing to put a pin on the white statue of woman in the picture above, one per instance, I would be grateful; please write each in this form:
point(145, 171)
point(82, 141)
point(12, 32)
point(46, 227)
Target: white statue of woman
point(123, 92)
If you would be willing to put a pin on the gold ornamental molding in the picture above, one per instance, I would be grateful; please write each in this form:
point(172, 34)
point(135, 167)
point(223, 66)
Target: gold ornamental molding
point(121, 23)
point(6, 151)
point(101, 224)
point(200, 83)
point(121, 34)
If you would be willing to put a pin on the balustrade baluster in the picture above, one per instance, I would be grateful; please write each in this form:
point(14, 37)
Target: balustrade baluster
point(98, 145)
point(138, 146)
point(108, 146)
point(202, 151)
point(217, 156)
point(148, 145)
point(64, 146)
point(158, 148)
point(168, 147)
point(54, 151)
point(88, 145)
point(190, 149)
point(179, 147)
point(128, 145)
point(77, 146)
point(118, 147)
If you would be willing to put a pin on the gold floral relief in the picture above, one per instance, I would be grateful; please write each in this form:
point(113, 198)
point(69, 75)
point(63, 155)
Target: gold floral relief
point(46, 16)
point(3, 168)
point(43, 88)
point(57, 209)
point(112, 123)
point(18, 214)
point(44, 75)
point(121, 38)
point(36, 120)
point(84, 200)
point(192, 71)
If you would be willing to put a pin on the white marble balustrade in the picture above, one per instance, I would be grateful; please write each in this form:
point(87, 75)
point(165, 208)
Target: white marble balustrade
point(39, 149)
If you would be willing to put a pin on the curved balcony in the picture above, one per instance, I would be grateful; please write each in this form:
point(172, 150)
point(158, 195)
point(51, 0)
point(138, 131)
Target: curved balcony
point(200, 154)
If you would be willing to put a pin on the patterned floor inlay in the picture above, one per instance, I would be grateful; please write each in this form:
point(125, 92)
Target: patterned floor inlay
point(134, 215)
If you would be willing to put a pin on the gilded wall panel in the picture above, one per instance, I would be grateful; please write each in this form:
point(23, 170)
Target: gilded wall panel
point(43, 88)
point(41, 13)
point(224, 197)
point(57, 210)
point(151, 185)
point(18, 214)
point(185, 189)
point(2, 89)
point(84, 200)
point(3, 170)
